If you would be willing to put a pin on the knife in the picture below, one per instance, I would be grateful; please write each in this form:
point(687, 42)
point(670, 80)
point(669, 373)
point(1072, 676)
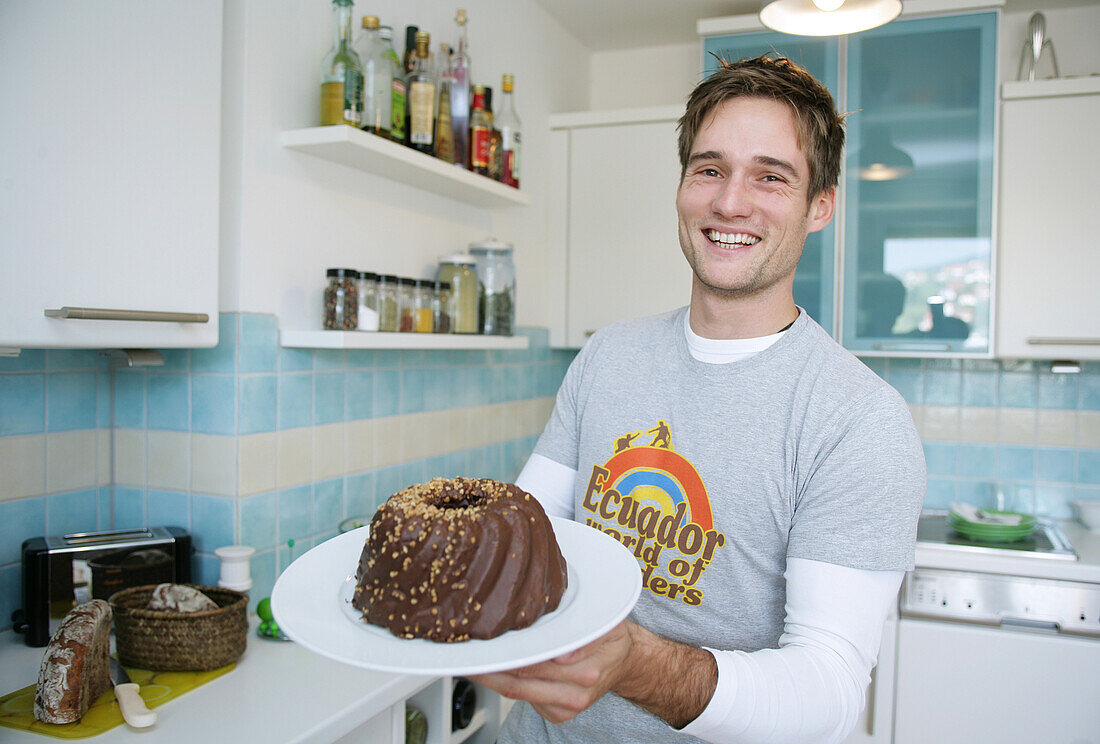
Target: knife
point(133, 707)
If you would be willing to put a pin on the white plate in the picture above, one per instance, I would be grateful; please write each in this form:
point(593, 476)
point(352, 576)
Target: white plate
point(311, 604)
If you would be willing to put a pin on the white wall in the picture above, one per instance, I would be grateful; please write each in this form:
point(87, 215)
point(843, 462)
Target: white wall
point(661, 75)
point(288, 216)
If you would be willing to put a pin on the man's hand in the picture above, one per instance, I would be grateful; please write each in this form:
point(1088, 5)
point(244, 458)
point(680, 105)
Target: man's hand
point(670, 680)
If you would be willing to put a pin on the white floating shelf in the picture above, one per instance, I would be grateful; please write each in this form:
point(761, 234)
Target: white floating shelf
point(368, 152)
point(377, 340)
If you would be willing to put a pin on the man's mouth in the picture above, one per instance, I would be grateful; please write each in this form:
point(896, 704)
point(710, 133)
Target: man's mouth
point(733, 240)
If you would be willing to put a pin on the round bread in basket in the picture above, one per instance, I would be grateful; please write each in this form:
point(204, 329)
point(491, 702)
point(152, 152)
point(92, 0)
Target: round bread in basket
point(160, 640)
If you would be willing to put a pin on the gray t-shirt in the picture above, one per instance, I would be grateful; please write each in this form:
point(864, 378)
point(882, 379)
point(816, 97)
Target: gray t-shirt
point(714, 474)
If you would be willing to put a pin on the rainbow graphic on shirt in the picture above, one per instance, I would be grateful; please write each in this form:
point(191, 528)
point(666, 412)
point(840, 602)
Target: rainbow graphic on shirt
point(652, 500)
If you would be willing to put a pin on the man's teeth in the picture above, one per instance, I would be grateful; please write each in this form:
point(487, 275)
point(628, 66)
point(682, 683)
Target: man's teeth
point(732, 238)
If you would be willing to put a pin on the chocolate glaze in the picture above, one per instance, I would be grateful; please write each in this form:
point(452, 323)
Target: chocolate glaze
point(451, 560)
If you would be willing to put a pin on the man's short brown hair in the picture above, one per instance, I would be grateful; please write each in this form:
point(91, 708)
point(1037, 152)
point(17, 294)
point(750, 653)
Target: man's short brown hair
point(820, 129)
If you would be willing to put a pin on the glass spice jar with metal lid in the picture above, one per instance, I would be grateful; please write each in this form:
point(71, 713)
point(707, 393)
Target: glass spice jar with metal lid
point(368, 301)
point(459, 270)
point(406, 304)
point(422, 306)
point(387, 303)
point(341, 300)
point(496, 276)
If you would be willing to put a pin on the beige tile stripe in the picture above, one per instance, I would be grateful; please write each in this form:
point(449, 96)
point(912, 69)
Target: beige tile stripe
point(1028, 427)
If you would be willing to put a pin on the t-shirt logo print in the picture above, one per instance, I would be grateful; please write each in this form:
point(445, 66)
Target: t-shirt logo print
point(652, 500)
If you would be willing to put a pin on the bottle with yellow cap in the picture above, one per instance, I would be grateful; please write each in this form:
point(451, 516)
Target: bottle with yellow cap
point(422, 99)
point(377, 77)
point(508, 124)
point(341, 73)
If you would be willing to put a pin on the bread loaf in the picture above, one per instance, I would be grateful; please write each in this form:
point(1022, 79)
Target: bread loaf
point(75, 669)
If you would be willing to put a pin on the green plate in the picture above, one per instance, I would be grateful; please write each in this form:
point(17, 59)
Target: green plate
point(993, 532)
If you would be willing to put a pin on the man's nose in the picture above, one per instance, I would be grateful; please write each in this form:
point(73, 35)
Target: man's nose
point(733, 199)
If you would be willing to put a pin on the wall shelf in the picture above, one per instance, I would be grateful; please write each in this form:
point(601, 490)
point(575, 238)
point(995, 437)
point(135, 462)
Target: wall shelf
point(376, 340)
point(373, 154)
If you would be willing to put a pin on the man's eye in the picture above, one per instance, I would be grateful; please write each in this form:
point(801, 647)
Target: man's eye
point(709, 172)
point(774, 178)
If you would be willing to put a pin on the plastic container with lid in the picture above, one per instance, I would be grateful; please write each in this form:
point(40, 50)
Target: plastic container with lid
point(497, 287)
point(341, 310)
point(460, 271)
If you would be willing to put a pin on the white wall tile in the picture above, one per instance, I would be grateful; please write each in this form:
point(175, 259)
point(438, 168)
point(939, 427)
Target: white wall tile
point(257, 457)
point(328, 451)
point(1016, 426)
point(22, 466)
point(1088, 432)
point(1056, 428)
point(169, 460)
point(214, 464)
point(295, 457)
point(70, 460)
point(130, 457)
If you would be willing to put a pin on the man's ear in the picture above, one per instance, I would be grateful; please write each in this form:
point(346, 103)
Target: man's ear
point(822, 208)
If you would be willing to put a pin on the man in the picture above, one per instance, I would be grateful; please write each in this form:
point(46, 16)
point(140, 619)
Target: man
point(795, 474)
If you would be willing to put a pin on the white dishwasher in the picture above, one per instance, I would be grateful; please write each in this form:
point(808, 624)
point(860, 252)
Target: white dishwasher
point(992, 658)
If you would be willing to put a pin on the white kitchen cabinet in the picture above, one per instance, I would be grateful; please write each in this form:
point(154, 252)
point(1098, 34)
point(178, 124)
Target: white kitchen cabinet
point(876, 722)
point(111, 153)
point(623, 257)
point(1048, 306)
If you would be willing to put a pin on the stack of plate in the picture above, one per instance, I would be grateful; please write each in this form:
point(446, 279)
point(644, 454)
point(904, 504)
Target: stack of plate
point(989, 531)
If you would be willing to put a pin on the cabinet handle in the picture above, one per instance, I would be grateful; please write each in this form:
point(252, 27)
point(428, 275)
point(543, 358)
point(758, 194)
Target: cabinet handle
point(100, 313)
point(901, 346)
point(1049, 341)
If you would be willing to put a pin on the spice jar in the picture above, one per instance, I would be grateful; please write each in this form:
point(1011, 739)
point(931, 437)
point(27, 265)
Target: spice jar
point(441, 308)
point(387, 303)
point(368, 301)
point(406, 304)
point(496, 287)
point(423, 321)
point(341, 300)
point(458, 270)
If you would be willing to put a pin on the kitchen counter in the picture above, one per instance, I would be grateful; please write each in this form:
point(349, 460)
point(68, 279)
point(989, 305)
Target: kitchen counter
point(279, 692)
point(1086, 568)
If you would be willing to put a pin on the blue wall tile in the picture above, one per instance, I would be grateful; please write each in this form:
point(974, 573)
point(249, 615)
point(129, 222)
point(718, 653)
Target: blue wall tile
point(1058, 391)
point(359, 395)
point(412, 391)
point(295, 400)
point(387, 392)
point(328, 504)
point(259, 520)
point(129, 511)
point(1016, 463)
point(940, 457)
point(1055, 464)
point(259, 343)
point(263, 577)
point(175, 360)
point(1088, 466)
point(29, 360)
point(206, 569)
point(169, 401)
point(328, 397)
point(295, 360)
point(11, 579)
point(978, 460)
point(1090, 388)
point(329, 359)
point(70, 401)
point(19, 520)
point(294, 513)
point(130, 386)
point(164, 508)
point(76, 511)
point(359, 498)
point(1019, 389)
point(22, 404)
point(258, 405)
point(72, 359)
point(212, 523)
point(223, 357)
point(214, 410)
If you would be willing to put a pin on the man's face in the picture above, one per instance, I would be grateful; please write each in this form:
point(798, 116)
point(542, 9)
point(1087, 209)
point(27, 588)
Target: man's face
point(743, 203)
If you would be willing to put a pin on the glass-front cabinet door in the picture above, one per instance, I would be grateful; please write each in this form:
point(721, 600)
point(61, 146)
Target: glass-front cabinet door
point(918, 186)
point(815, 277)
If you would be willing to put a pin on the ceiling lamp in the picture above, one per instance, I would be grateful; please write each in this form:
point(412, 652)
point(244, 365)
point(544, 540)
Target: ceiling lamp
point(880, 159)
point(827, 17)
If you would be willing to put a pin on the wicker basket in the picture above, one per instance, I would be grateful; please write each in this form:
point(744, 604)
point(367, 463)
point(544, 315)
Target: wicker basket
point(173, 641)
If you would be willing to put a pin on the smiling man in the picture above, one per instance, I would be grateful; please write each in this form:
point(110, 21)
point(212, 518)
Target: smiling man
point(768, 483)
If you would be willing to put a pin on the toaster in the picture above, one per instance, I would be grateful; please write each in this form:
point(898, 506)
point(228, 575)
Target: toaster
point(62, 572)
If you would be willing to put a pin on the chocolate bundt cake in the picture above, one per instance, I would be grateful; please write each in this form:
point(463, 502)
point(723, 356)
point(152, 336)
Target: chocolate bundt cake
point(451, 560)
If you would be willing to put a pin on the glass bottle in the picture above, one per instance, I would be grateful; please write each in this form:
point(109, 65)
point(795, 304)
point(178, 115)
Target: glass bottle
point(423, 320)
point(387, 303)
point(421, 100)
point(410, 49)
point(444, 134)
point(441, 308)
point(368, 301)
point(341, 300)
point(460, 93)
point(377, 78)
point(496, 149)
point(509, 126)
point(397, 86)
point(496, 275)
point(458, 271)
point(406, 304)
point(341, 73)
point(480, 130)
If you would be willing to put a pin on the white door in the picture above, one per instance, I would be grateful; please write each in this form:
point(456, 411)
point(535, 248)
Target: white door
point(110, 145)
point(963, 684)
point(624, 256)
point(876, 722)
